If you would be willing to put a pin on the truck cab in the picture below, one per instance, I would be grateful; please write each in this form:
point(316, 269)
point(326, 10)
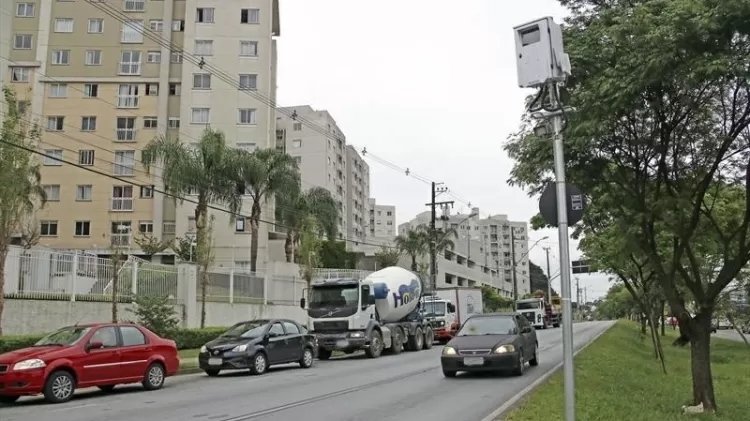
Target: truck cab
point(534, 310)
point(442, 314)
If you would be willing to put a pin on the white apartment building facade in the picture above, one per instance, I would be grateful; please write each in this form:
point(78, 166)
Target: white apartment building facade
point(382, 222)
point(357, 197)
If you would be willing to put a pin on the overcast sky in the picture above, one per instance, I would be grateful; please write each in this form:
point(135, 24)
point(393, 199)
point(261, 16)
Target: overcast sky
point(428, 85)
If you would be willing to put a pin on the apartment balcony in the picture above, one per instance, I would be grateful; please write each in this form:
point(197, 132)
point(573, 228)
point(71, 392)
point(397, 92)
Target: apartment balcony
point(127, 101)
point(125, 135)
point(120, 240)
point(122, 204)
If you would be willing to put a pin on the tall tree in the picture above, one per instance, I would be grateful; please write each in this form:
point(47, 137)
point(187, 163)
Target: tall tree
point(387, 256)
point(309, 250)
point(21, 190)
point(414, 243)
point(292, 209)
point(264, 173)
point(659, 141)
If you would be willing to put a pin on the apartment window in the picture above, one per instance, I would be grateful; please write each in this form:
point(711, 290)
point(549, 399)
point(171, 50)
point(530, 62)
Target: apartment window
point(239, 224)
point(19, 74)
point(96, 26)
point(58, 90)
point(132, 32)
point(146, 227)
point(86, 156)
point(130, 63)
point(93, 57)
point(250, 16)
point(178, 25)
point(22, 42)
point(175, 57)
point(91, 90)
point(153, 57)
point(298, 127)
point(83, 228)
point(122, 198)
point(246, 146)
point(61, 57)
point(25, 10)
point(53, 157)
point(120, 233)
point(64, 25)
point(204, 47)
point(249, 81)
point(147, 192)
point(156, 25)
point(200, 115)
point(52, 191)
point(249, 48)
point(83, 192)
point(127, 96)
point(48, 229)
point(152, 89)
point(88, 124)
point(175, 89)
point(150, 122)
point(201, 81)
point(125, 129)
point(55, 123)
point(204, 15)
point(173, 123)
point(124, 163)
point(134, 5)
point(247, 115)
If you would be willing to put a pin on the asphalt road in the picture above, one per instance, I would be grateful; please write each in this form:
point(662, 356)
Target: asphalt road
point(348, 388)
point(730, 334)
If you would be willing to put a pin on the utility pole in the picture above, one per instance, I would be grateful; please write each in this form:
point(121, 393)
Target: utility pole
point(433, 232)
point(549, 279)
point(513, 267)
point(578, 299)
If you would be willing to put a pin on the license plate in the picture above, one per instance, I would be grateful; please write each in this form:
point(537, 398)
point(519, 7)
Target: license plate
point(342, 343)
point(215, 361)
point(473, 361)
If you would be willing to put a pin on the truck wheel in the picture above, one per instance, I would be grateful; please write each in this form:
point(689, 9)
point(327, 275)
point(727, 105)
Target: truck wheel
point(397, 344)
point(429, 338)
point(556, 325)
point(416, 340)
point(376, 345)
point(324, 354)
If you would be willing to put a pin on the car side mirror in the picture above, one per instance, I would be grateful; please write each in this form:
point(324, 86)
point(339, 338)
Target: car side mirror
point(302, 302)
point(94, 345)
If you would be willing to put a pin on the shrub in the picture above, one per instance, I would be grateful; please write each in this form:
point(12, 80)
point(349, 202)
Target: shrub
point(157, 314)
point(11, 343)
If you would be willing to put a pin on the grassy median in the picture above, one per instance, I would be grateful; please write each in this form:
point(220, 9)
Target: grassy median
point(618, 378)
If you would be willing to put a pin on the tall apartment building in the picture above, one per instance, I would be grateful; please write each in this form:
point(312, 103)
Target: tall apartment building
point(357, 196)
point(102, 87)
point(321, 152)
point(382, 222)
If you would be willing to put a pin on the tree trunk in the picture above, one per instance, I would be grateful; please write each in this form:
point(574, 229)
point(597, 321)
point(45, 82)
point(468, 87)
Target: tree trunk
point(414, 267)
point(289, 246)
point(115, 281)
point(700, 355)
point(643, 323)
point(254, 226)
point(3, 256)
point(204, 288)
point(661, 315)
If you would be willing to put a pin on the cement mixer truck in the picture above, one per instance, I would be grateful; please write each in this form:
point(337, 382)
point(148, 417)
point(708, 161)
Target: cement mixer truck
point(376, 312)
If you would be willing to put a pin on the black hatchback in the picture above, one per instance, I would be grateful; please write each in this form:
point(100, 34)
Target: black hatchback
point(258, 344)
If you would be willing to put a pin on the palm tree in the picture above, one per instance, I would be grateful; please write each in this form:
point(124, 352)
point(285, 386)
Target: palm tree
point(205, 170)
point(293, 209)
point(443, 240)
point(264, 173)
point(414, 243)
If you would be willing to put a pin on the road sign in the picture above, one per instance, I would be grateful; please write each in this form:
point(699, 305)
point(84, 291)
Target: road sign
point(580, 266)
point(576, 202)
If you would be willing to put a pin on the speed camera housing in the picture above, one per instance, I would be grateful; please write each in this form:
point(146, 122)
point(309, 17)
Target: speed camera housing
point(540, 57)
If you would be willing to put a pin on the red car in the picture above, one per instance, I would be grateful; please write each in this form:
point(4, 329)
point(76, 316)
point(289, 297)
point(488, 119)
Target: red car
point(101, 355)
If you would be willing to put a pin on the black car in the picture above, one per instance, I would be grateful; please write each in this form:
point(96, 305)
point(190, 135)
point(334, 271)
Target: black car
point(491, 342)
point(258, 344)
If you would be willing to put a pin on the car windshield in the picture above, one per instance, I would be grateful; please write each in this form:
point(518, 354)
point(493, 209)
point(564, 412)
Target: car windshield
point(64, 337)
point(528, 306)
point(334, 296)
point(433, 309)
point(500, 325)
point(252, 329)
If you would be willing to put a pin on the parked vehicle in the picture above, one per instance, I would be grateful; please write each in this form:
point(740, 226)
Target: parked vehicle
point(448, 308)
point(102, 355)
point(376, 312)
point(541, 313)
point(257, 345)
point(491, 342)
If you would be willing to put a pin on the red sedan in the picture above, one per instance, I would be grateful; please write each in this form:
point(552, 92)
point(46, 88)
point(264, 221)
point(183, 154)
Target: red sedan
point(101, 355)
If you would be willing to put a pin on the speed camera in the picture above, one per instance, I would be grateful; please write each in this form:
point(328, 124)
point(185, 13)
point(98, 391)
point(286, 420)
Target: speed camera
point(539, 53)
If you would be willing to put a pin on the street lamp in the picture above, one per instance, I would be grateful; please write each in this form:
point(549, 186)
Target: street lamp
point(514, 261)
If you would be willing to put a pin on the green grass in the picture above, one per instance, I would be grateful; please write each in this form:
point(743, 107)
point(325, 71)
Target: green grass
point(618, 378)
point(188, 359)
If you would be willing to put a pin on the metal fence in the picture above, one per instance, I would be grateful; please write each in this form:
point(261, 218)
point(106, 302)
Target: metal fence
point(232, 286)
point(65, 275)
point(340, 274)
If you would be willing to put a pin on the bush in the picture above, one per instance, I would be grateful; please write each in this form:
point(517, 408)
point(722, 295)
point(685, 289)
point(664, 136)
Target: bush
point(157, 314)
point(185, 339)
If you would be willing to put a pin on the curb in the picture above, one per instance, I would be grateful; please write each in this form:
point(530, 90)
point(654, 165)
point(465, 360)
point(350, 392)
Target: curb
point(511, 403)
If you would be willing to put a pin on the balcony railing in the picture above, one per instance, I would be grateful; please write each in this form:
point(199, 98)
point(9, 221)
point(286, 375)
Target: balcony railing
point(120, 240)
point(125, 135)
point(122, 204)
point(127, 101)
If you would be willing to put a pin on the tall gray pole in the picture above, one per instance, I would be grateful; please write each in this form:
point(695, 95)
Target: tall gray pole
point(433, 239)
point(549, 279)
point(562, 229)
point(513, 267)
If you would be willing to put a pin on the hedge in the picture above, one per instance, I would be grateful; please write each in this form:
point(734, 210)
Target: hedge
point(185, 338)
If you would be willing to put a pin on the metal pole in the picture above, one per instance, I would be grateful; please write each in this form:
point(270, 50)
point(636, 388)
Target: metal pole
point(562, 229)
point(513, 267)
point(433, 246)
point(549, 279)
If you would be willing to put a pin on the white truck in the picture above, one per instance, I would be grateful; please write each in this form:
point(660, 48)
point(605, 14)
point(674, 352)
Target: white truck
point(448, 308)
point(540, 313)
point(371, 312)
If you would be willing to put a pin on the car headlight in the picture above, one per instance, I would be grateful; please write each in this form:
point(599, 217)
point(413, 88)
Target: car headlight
point(203, 349)
point(357, 335)
point(240, 348)
point(29, 364)
point(504, 349)
point(449, 350)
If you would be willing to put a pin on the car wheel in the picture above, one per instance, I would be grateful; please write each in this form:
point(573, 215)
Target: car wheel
point(449, 373)
point(7, 400)
point(520, 364)
point(107, 388)
point(534, 361)
point(429, 338)
point(260, 364)
point(307, 358)
point(59, 387)
point(212, 372)
point(324, 354)
point(154, 378)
